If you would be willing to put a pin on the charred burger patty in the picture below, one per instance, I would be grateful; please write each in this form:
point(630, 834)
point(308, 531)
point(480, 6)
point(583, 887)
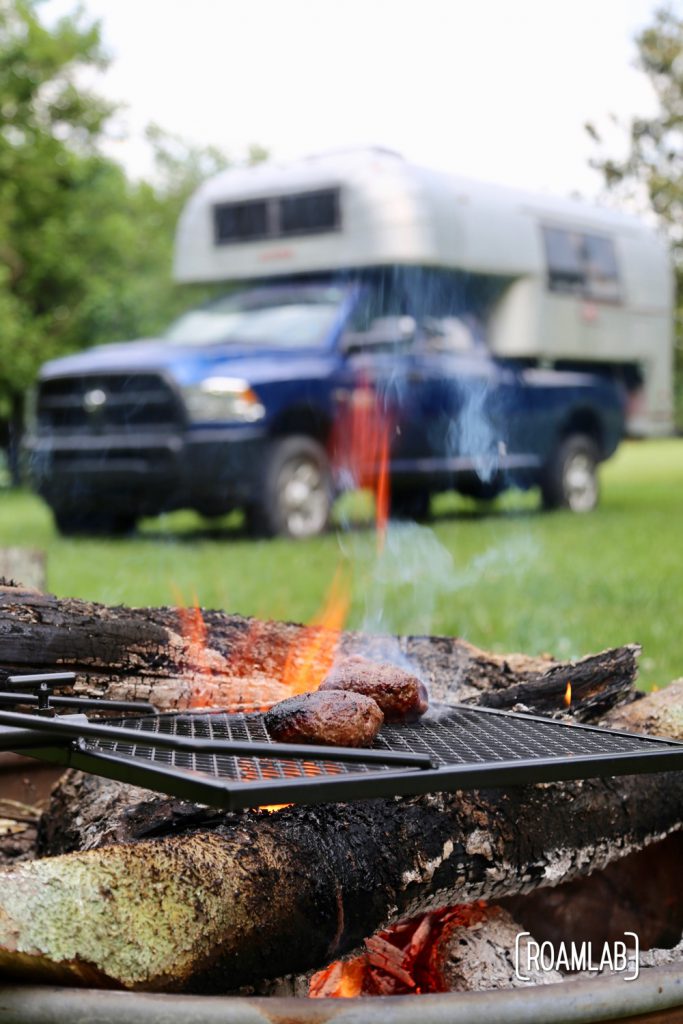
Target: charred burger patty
point(337, 718)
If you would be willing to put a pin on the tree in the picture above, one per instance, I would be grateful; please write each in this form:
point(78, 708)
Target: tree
point(47, 133)
point(653, 167)
point(85, 253)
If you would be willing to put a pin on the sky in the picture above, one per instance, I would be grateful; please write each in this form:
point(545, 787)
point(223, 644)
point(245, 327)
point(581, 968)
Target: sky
point(492, 89)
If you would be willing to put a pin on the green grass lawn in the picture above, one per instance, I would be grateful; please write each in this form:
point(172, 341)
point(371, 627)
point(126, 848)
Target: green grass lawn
point(506, 577)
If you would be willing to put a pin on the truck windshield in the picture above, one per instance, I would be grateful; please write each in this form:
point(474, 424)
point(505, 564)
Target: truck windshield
point(292, 317)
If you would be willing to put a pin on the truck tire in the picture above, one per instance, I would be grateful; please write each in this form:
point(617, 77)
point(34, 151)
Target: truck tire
point(296, 490)
point(83, 522)
point(570, 479)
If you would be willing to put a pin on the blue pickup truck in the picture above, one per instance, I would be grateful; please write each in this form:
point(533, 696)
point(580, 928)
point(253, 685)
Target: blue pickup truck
point(236, 404)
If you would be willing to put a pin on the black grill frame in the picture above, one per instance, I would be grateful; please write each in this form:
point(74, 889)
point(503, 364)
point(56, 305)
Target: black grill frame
point(563, 750)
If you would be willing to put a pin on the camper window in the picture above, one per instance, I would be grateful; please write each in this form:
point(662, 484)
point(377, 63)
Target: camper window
point(581, 264)
point(305, 213)
point(602, 275)
point(310, 212)
point(241, 222)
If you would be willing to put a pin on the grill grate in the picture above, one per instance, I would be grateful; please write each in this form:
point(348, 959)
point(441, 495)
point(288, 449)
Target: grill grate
point(469, 747)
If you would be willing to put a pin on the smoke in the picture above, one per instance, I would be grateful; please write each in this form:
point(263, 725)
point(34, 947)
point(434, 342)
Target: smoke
point(471, 434)
point(442, 394)
point(406, 584)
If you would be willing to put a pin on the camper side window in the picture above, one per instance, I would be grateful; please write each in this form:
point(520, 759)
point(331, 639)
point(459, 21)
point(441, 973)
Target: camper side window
point(580, 264)
point(602, 274)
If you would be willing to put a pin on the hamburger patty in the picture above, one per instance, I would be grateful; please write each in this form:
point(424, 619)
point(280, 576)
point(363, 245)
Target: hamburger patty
point(401, 696)
point(335, 718)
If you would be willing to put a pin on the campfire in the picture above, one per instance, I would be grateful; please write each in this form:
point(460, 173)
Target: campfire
point(387, 894)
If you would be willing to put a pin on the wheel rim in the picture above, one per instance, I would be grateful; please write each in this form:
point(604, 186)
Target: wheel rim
point(580, 484)
point(303, 497)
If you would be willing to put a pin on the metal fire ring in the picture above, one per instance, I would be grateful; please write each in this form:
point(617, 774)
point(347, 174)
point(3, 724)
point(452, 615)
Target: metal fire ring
point(657, 990)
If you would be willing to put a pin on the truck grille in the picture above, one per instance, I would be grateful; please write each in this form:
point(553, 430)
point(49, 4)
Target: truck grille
point(107, 402)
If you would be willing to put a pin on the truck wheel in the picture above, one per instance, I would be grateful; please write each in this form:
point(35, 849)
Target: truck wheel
point(570, 479)
point(84, 522)
point(296, 496)
point(410, 504)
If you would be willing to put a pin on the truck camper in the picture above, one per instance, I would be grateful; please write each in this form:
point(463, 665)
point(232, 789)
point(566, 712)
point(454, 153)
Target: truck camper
point(504, 338)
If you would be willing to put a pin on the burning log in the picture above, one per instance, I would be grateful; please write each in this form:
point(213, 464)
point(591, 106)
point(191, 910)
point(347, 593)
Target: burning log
point(259, 895)
point(185, 658)
point(199, 900)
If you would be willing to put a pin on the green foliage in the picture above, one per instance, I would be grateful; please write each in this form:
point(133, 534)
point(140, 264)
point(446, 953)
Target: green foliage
point(85, 253)
point(653, 167)
point(47, 132)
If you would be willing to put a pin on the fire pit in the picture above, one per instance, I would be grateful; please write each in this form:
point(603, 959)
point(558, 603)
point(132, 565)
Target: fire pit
point(252, 895)
point(656, 997)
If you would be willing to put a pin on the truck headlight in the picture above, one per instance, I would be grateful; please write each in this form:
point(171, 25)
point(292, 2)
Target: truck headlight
point(222, 399)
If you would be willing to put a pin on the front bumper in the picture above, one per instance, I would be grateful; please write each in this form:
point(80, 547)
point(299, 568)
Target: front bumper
point(212, 470)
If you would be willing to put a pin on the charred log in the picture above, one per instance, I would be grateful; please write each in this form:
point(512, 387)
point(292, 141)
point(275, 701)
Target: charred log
point(640, 893)
point(209, 902)
point(153, 654)
point(260, 895)
point(596, 682)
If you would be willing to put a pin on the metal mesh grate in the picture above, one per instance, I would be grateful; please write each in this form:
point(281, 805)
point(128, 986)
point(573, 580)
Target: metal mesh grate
point(476, 735)
point(221, 726)
point(452, 736)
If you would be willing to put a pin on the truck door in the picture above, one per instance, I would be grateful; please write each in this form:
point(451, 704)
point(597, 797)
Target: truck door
point(464, 397)
point(378, 397)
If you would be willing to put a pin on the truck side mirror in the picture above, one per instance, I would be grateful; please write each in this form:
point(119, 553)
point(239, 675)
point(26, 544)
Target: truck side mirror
point(387, 332)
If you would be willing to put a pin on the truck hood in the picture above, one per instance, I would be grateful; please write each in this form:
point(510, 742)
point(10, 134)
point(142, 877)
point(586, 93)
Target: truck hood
point(189, 364)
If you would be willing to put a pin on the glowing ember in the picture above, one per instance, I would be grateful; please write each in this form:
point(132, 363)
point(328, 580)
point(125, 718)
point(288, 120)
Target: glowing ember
point(193, 629)
point(341, 980)
point(568, 696)
point(311, 657)
point(401, 960)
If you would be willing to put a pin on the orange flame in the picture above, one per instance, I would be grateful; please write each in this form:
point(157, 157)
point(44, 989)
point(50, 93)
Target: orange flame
point(382, 492)
point(312, 656)
point(233, 682)
point(568, 695)
point(360, 449)
point(342, 980)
